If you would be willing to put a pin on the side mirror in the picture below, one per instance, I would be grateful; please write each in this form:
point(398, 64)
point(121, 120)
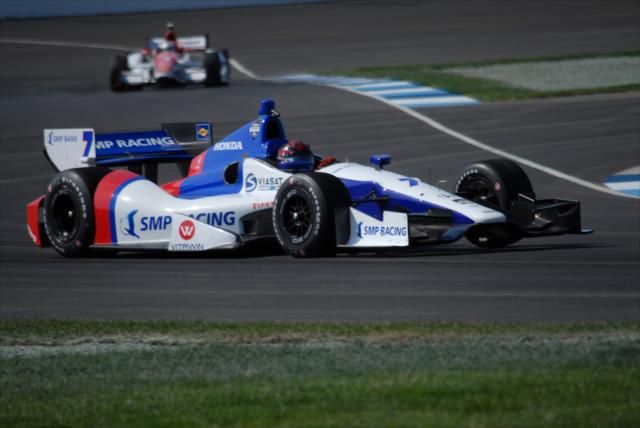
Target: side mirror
point(380, 160)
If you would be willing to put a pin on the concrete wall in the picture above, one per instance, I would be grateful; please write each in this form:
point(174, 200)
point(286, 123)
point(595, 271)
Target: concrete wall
point(54, 8)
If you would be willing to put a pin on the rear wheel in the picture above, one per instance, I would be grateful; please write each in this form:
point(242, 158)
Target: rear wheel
point(68, 210)
point(115, 79)
point(497, 184)
point(304, 214)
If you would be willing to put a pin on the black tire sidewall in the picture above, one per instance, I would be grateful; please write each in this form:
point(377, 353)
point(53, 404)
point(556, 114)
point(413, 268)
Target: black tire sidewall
point(212, 67)
point(321, 238)
point(505, 178)
point(67, 184)
point(488, 176)
point(115, 79)
point(79, 184)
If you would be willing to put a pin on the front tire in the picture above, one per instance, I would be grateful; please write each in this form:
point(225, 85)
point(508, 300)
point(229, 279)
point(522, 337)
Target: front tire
point(304, 214)
point(69, 220)
point(497, 184)
point(212, 66)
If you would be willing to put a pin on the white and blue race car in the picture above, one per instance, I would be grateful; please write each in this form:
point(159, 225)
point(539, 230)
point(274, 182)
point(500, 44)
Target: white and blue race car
point(235, 191)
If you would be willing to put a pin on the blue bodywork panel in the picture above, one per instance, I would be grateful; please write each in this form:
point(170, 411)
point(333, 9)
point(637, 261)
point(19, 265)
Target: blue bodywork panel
point(363, 190)
point(125, 148)
point(118, 148)
point(261, 138)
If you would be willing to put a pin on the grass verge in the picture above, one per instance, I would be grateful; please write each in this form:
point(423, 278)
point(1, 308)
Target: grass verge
point(79, 373)
point(436, 75)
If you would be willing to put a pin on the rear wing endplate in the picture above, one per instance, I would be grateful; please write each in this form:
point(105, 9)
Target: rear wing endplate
point(83, 147)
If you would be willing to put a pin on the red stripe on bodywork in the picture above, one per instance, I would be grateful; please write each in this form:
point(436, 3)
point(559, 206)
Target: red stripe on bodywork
point(173, 187)
point(102, 202)
point(33, 220)
point(195, 167)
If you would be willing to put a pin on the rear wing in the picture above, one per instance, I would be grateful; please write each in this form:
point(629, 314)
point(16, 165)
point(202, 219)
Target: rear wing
point(78, 148)
point(188, 43)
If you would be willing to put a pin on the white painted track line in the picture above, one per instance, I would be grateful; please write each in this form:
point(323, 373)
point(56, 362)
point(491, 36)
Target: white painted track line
point(416, 91)
point(531, 164)
point(412, 102)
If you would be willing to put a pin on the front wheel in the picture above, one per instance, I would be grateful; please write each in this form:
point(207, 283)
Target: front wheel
point(304, 214)
point(497, 184)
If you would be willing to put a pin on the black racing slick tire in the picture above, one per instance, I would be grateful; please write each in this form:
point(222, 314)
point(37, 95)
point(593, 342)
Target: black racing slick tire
point(497, 184)
point(212, 67)
point(69, 220)
point(494, 183)
point(115, 78)
point(305, 214)
point(227, 80)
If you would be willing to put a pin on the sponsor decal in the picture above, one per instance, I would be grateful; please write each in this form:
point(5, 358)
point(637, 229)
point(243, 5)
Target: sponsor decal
point(228, 145)
point(254, 130)
point(216, 218)
point(53, 138)
point(456, 199)
point(129, 226)
point(381, 231)
point(253, 183)
point(261, 205)
point(137, 142)
point(189, 246)
point(203, 131)
point(187, 230)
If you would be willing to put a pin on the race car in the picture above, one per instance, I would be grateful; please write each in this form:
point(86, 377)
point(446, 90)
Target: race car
point(252, 185)
point(185, 60)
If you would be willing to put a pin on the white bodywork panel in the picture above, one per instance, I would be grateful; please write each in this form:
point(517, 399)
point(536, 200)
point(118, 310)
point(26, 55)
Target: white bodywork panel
point(417, 189)
point(366, 231)
point(70, 148)
point(188, 234)
point(149, 217)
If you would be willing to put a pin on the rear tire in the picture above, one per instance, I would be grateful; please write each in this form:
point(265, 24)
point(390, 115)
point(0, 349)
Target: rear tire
point(304, 214)
point(115, 79)
point(69, 220)
point(494, 183)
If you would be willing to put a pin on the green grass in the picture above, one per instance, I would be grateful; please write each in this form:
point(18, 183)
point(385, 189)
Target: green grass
point(157, 374)
point(436, 75)
point(33, 331)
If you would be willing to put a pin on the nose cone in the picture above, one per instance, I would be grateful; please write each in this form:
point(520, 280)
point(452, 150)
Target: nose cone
point(481, 214)
point(164, 62)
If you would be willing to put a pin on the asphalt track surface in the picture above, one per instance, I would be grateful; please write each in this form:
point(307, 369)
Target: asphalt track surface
point(569, 278)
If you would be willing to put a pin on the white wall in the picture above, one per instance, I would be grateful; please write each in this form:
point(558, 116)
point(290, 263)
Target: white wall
point(51, 8)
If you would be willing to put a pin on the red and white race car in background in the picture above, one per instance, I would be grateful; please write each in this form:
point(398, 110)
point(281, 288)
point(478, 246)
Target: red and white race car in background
point(188, 60)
